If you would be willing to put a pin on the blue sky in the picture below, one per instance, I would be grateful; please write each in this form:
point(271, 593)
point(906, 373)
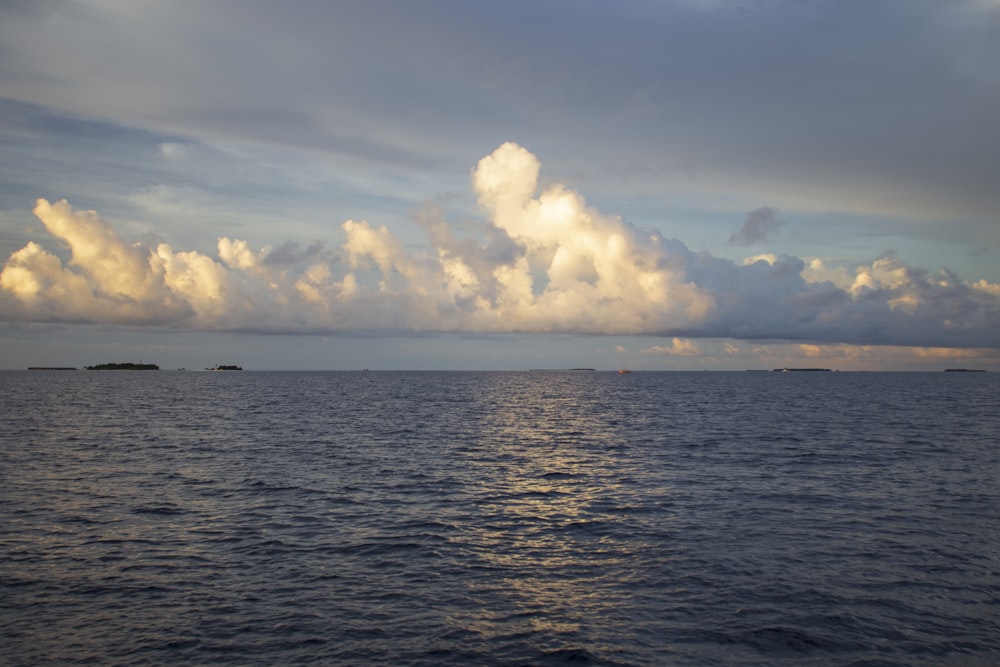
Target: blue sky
point(673, 184)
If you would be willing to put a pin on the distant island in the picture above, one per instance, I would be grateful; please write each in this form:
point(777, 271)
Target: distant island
point(126, 366)
point(222, 367)
point(964, 370)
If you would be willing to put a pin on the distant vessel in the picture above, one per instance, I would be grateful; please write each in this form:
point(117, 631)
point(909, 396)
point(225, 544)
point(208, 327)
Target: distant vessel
point(623, 371)
point(222, 367)
point(786, 370)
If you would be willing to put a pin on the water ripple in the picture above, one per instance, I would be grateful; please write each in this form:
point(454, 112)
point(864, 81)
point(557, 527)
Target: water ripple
point(500, 519)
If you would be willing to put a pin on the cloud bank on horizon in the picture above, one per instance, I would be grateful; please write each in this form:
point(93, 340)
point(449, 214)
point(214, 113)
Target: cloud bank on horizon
point(543, 260)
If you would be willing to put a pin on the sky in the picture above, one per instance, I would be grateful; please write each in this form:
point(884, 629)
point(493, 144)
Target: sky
point(445, 184)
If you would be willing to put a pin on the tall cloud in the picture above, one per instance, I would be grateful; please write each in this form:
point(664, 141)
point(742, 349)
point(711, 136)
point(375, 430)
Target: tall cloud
point(542, 261)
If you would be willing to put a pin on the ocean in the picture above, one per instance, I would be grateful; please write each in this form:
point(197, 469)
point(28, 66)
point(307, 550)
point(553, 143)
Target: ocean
point(499, 518)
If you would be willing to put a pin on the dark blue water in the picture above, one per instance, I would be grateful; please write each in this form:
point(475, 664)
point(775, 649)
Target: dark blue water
point(537, 518)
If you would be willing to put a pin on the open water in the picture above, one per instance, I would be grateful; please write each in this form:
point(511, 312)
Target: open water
point(535, 518)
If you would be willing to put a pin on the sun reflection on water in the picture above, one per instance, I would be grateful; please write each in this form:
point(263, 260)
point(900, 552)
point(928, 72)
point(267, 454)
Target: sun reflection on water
point(551, 500)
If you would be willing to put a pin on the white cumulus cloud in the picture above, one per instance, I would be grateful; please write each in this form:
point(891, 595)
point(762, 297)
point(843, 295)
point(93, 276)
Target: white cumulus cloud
point(542, 260)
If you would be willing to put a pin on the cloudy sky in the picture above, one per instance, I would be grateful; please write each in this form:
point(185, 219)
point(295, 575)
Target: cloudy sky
point(447, 184)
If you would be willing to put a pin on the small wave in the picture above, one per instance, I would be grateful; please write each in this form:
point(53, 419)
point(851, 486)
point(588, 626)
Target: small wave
point(568, 656)
point(559, 475)
point(160, 510)
point(775, 639)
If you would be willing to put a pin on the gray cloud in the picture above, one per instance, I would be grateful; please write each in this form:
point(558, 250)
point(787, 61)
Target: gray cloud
point(759, 225)
point(889, 105)
point(292, 253)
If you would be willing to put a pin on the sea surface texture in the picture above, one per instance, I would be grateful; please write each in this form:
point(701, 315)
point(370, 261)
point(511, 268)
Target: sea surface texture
point(509, 518)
